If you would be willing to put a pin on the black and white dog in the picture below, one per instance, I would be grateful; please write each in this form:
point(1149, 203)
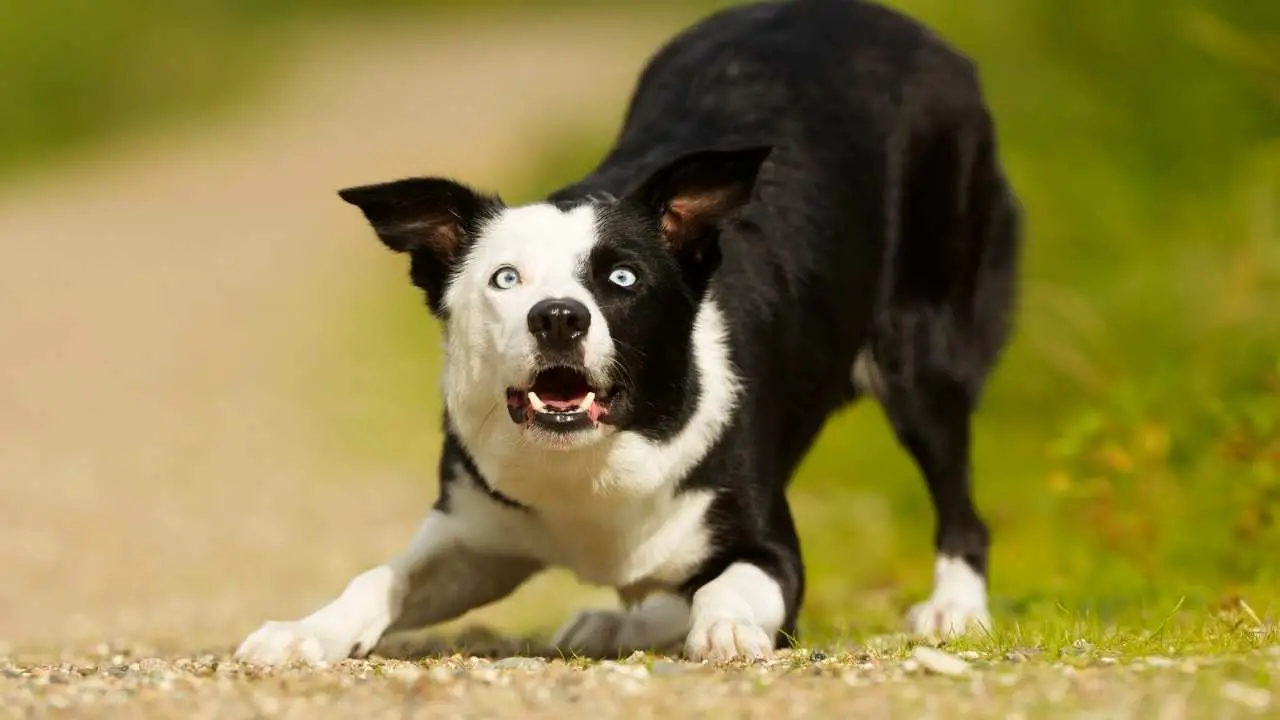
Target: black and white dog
point(804, 205)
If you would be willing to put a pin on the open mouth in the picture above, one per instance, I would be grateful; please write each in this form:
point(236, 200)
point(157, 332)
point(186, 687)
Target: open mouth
point(560, 399)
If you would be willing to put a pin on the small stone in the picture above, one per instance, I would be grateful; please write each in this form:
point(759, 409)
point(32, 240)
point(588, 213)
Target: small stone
point(1015, 656)
point(851, 677)
point(406, 673)
point(152, 666)
point(939, 662)
point(970, 655)
point(1251, 697)
point(1159, 662)
point(817, 656)
point(669, 667)
point(635, 672)
point(519, 663)
point(441, 674)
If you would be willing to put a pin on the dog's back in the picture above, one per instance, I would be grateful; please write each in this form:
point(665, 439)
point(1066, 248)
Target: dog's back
point(882, 237)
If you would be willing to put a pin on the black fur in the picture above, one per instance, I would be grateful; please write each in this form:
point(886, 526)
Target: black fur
point(880, 221)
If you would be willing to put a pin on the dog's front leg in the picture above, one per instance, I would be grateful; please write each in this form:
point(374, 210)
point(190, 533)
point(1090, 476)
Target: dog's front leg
point(737, 615)
point(436, 578)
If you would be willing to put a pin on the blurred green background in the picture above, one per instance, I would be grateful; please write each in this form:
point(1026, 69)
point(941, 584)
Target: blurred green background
point(1128, 451)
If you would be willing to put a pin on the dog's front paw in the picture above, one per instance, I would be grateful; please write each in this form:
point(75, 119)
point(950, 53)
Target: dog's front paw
point(312, 640)
point(726, 639)
point(592, 633)
point(943, 618)
point(659, 623)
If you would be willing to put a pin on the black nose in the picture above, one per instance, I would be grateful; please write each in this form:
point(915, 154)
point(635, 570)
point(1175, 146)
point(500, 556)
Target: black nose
point(559, 322)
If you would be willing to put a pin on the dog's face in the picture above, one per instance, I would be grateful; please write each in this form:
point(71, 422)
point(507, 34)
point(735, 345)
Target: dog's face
point(570, 322)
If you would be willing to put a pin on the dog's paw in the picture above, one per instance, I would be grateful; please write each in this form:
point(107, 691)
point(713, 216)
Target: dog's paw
point(659, 623)
point(941, 619)
point(311, 640)
point(726, 639)
point(591, 633)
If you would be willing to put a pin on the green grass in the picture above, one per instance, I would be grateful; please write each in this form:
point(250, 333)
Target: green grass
point(1128, 451)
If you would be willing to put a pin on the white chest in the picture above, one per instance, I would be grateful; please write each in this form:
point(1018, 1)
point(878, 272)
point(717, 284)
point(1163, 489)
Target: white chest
point(612, 539)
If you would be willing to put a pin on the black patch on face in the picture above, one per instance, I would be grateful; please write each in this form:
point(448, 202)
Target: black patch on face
point(650, 322)
point(665, 230)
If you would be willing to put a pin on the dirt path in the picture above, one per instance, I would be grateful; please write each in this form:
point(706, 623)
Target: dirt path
point(157, 478)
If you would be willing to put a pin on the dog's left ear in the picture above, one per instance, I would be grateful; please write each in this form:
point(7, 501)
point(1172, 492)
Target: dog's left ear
point(692, 194)
point(434, 220)
point(432, 214)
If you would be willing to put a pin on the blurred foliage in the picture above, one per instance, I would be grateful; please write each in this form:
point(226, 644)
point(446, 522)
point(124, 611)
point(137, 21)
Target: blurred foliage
point(76, 71)
point(1127, 451)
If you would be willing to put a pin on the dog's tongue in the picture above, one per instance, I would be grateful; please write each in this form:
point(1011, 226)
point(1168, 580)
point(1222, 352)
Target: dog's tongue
point(561, 403)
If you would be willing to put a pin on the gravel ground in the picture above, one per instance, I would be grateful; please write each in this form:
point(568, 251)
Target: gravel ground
point(117, 680)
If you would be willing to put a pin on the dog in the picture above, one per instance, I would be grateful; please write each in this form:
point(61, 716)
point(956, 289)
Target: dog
point(804, 206)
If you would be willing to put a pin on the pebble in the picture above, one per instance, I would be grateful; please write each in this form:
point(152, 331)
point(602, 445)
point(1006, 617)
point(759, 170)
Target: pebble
point(441, 674)
point(669, 667)
point(1251, 697)
point(938, 661)
point(635, 672)
point(406, 673)
point(519, 663)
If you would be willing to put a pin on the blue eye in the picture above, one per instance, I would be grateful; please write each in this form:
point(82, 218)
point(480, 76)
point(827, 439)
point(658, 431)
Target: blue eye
point(505, 278)
point(622, 277)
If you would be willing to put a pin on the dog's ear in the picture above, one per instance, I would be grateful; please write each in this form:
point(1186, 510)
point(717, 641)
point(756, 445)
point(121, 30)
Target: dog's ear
point(432, 219)
point(692, 194)
point(435, 215)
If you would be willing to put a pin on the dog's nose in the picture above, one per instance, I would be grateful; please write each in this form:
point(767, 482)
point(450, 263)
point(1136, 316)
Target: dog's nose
point(559, 322)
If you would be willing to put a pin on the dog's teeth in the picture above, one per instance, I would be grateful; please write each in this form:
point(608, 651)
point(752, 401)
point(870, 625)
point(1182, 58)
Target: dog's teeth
point(536, 402)
point(586, 401)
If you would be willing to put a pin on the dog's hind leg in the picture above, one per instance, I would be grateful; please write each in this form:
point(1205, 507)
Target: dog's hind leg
point(436, 578)
point(930, 412)
point(946, 321)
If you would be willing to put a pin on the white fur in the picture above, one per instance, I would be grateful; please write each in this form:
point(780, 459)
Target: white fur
point(438, 576)
point(958, 603)
point(866, 375)
point(736, 616)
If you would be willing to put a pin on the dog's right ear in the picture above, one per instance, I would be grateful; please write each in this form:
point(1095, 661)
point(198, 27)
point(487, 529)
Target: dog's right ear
point(432, 219)
point(430, 214)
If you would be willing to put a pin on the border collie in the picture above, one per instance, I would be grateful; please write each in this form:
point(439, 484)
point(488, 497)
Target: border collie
point(804, 206)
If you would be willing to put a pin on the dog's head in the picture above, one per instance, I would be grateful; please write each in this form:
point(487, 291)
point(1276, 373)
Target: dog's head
point(568, 322)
